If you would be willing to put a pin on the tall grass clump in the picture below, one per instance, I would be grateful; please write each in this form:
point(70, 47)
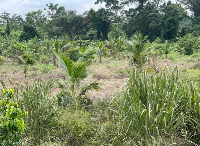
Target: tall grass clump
point(42, 111)
point(157, 107)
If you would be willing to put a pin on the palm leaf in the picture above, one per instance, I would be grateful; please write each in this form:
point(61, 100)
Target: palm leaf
point(56, 46)
point(66, 64)
point(79, 70)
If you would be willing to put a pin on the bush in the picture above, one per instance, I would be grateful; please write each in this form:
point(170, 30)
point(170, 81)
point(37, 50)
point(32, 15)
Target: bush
point(64, 99)
point(12, 119)
point(77, 126)
point(188, 42)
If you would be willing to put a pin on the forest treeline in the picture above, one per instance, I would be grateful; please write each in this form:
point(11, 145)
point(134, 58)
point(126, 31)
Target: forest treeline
point(153, 18)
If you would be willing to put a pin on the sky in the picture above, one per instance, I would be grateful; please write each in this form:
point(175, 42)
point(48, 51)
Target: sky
point(21, 7)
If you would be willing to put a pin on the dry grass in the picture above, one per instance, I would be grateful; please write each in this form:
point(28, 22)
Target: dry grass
point(111, 74)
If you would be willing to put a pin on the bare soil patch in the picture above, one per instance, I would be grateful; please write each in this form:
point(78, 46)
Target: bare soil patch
point(111, 74)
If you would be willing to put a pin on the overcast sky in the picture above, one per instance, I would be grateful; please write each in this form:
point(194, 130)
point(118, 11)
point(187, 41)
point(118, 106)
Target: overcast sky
point(21, 7)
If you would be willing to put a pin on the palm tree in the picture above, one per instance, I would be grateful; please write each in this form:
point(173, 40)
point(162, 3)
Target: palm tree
point(139, 51)
point(166, 48)
point(75, 72)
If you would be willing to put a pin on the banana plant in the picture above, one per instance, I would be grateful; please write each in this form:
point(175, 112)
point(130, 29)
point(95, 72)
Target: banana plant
point(26, 60)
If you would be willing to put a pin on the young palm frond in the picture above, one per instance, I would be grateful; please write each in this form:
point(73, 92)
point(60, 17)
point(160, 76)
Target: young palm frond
point(167, 48)
point(139, 51)
point(74, 71)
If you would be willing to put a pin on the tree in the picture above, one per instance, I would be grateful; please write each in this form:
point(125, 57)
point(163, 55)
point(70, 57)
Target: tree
point(141, 2)
point(63, 21)
point(51, 9)
point(53, 13)
point(3, 18)
point(172, 15)
point(7, 31)
point(193, 5)
point(113, 6)
point(70, 23)
point(101, 22)
point(153, 21)
point(29, 32)
point(16, 22)
point(36, 18)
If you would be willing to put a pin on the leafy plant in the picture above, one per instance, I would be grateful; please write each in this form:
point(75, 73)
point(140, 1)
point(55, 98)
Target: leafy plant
point(79, 125)
point(87, 54)
point(26, 60)
point(166, 48)
point(75, 72)
point(139, 51)
point(100, 51)
point(12, 119)
point(1, 59)
point(188, 43)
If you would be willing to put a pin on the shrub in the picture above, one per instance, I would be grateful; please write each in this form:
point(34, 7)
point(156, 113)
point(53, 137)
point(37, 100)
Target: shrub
point(78, 125)
point(188, 42)
point(12, 119)
point(64, 99)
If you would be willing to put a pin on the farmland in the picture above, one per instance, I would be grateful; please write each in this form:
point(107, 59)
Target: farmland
point(118, 85)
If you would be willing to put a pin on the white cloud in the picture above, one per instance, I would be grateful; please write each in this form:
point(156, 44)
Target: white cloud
point(29, 2)
point(87, 7)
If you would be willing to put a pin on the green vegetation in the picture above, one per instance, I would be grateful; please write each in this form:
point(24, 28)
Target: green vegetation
point(152, 106)
point(12, 119)
point(101, 78)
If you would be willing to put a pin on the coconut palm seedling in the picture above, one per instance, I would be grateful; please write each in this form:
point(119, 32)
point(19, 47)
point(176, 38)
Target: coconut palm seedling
point(166, 48)
point(139, 51)
point(100, 51)
point(75, 72)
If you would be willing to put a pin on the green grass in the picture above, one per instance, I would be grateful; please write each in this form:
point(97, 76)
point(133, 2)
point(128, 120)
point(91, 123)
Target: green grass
point(42, 68)
point(177, 57)
point(153, 107)
point(193, 73)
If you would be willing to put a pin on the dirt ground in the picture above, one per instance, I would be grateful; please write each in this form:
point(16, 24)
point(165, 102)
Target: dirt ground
point(111, 74)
